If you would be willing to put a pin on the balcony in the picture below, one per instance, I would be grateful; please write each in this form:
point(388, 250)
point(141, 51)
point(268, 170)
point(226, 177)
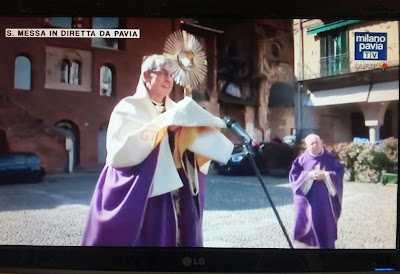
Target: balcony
point(325, 67)
point(342, 64)
point(334, 65)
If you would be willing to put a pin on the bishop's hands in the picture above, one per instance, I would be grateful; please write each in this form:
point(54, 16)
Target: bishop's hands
point(317, 173)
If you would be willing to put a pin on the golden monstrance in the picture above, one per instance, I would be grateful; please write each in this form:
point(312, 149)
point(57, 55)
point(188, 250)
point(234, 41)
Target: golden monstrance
point(187, 58)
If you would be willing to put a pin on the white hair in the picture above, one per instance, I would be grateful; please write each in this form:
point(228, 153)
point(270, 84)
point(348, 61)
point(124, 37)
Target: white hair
point(153, 62)
point(307, 140)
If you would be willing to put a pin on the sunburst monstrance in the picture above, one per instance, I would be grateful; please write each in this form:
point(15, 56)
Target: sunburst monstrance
point(187, 58)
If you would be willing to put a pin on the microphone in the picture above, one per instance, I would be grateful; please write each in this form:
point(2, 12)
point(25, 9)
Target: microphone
point(238, 130)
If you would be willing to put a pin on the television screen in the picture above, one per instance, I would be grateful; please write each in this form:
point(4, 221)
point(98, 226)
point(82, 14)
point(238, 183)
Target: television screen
point(272, 147)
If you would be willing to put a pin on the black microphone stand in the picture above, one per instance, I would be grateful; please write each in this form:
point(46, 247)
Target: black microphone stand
point(249, 154)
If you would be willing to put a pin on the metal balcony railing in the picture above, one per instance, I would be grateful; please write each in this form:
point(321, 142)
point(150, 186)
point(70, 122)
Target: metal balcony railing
point(325, 67)
point(341, 64)
point(334, 65)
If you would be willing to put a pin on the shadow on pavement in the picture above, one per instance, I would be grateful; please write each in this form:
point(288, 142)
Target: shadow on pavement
point(53, 191)
point(222, 192)
point(241, 193)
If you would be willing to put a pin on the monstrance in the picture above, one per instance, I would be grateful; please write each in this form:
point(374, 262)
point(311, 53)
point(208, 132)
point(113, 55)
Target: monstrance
point(187, 59)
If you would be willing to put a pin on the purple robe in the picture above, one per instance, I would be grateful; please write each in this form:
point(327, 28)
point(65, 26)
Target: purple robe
point(317, 212)
point(121, 214)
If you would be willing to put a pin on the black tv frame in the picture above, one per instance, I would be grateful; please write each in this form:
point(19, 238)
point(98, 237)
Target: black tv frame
point(17, 258)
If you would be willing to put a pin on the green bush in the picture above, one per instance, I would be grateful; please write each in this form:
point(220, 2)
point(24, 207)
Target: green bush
point(332, 148)
point(390, 147)
point(368, 159)
point(372, 161)
point(348, 154)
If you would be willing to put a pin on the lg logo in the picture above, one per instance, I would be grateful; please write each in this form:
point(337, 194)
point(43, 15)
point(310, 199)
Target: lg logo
point(187, 261)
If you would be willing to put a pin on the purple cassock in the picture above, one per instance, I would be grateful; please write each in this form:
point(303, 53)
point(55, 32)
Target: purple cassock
point(121, 214)
point(318, 205)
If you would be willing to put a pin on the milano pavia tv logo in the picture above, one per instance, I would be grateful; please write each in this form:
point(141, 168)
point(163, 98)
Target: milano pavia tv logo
point(370, 46)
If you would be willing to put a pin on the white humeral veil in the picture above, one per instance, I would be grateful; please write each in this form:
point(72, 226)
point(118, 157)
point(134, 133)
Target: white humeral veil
point(133, 128)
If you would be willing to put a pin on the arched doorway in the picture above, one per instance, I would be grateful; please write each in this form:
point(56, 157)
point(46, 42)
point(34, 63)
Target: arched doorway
point(72, 143)
point(101, 144)
point(3, 141)
point(280, 116)
point(386, 130)
point(358, 127)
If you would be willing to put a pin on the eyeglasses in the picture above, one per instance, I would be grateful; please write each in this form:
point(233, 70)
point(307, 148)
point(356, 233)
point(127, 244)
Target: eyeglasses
point(162, 72)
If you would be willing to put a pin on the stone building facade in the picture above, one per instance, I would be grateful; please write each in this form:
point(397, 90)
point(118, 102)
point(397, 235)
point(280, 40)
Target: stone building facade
point(56, 94)
point(342, 97)
point(256, 64)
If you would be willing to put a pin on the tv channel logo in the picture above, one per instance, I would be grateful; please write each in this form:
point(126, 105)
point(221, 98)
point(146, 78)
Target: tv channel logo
point(370, 46)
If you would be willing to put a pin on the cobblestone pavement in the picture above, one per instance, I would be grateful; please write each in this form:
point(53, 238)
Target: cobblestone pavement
point(244, 217)
point(237, 212)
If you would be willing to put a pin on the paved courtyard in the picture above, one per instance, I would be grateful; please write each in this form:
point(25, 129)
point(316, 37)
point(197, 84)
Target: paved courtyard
point(237, 213)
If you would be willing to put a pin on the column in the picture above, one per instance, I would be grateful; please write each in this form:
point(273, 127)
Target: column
point(69, 147)
point(374, 114)
point(374, 135)
point(309, 119)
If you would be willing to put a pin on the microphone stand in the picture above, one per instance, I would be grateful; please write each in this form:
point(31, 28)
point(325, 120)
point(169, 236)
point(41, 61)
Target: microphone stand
point(248, 150)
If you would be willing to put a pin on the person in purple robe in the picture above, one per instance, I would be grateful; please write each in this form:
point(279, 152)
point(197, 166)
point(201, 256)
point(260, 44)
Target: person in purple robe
point(316, 178)
point(151, 189)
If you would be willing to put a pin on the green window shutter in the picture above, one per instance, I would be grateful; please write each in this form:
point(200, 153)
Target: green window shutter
point(334, 53)
point(345, 51)
point(323, 56)
point(337, 40)
point(344, 45)
point(323, 46)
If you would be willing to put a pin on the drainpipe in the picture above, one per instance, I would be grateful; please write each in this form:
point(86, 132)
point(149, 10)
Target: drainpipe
point(299, 86)
point(301, 64)
point(299, 112)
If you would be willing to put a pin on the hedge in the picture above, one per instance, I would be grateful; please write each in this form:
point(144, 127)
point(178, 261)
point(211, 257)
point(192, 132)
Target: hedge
point(371, 160)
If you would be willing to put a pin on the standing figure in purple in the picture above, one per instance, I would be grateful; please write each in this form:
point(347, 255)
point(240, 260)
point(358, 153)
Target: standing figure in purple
point(151, 191)
point(316, 178)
